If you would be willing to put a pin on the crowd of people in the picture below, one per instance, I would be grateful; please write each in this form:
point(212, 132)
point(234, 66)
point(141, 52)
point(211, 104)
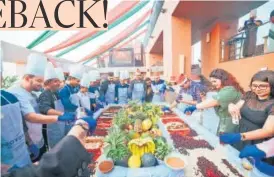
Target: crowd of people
point(47, 112)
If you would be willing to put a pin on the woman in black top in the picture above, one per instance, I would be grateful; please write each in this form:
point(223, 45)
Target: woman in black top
point(149, 92)
point(255, 111)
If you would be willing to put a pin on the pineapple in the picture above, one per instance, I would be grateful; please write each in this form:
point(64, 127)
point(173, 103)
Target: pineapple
point(116, 145)
point(138, 125)
point(140, 115)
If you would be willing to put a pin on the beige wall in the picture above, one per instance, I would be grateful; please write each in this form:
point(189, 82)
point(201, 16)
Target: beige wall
point(242, 69)
point(152, 58)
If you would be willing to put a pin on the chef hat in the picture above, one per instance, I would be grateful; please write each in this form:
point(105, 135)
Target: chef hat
point(60, 74)
point(116, 73)
point(253, 13)
point(93, 78)
point(93, 75)
point(36, 64)
point(97, 74)
point(126, 74)
point(50, 72)
point(76, 72)
point(85, 81)
point(122, 75)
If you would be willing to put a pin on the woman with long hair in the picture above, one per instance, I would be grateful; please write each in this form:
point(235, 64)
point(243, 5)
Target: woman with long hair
point(255, 111)
point(229, 91)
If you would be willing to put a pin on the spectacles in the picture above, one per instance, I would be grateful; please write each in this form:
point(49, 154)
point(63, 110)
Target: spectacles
point(260, 87)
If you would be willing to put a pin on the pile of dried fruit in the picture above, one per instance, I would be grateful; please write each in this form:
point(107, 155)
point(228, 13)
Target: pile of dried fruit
point(190, 144)
point(208, 168)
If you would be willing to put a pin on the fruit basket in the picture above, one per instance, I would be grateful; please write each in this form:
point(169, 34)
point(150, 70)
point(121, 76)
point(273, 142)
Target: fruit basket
point(135, 143)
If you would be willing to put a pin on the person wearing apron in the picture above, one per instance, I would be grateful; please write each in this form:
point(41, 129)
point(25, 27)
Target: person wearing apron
point(158, 87)
point(137, 88)
point(15, 153)
point(149, 91)
point(104, 89)
point(189, 94)
point(84, 95)
point(110, 94)
point(68, 94)
point(122, 91)
point(33, 80)
point(50, 104)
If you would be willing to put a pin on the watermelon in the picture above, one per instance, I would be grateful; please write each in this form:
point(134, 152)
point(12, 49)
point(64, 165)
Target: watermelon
point(148, 160)
point(122, 163)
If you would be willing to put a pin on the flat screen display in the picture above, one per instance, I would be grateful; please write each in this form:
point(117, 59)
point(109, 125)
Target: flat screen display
point(122, 57)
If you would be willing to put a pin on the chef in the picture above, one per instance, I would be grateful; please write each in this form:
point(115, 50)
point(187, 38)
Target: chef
point(84, 95)
point(68, 94)
point(137, 88)
point(122, 90)
point(107, 90)
point(158, 86)
point(61, 76)
point(116, 75)
point(127, 76)
point(33, 81)
point(94, 90)
point(50, 104)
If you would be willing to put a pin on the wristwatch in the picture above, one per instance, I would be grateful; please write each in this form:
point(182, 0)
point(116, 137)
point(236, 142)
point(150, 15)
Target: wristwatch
point(242, 137)
point(82, 124)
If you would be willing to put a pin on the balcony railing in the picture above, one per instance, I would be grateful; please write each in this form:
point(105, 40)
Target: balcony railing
point(246, 43)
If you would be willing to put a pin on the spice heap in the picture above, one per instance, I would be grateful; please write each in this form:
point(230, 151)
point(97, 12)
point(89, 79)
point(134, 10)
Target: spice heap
point(189, 143)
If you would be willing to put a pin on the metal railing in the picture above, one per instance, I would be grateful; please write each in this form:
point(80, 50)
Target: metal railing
point(248, 43)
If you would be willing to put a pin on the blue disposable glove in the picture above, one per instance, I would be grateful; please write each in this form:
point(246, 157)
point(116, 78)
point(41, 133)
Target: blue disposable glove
point(264, 167)
point(165, 108)
point(89, 112)
point(67, 116)
point(230, 138)
point(34, 150)
point(253, 151)
point(190, 109)
point(102, 98)
point(14, 167)
point(91, 123)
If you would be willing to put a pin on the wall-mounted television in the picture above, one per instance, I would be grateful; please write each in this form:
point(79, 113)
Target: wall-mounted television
point(121, 57)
